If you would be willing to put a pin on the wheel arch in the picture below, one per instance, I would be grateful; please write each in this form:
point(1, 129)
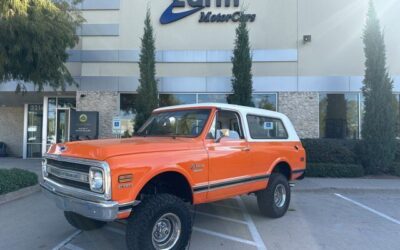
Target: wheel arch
point(172, 182)
point(283, 167)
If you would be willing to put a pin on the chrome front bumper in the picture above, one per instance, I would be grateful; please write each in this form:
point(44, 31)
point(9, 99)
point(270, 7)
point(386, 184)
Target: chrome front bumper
point(98, 210)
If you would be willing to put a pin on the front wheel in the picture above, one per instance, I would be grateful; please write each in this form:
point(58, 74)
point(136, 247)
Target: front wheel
point(161, 221)
point(274, 201)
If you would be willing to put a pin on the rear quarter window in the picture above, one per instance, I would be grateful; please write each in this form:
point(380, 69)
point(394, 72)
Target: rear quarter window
point(262, 127)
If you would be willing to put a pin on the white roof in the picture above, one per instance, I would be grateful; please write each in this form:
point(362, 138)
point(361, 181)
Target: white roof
point(243, 110)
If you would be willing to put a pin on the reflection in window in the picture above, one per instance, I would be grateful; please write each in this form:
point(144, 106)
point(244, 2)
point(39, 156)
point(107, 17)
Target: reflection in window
point(127, 114)
point(266, 127)
point(339, 115)
point(176, 99)
point(265, 101)
point(218, 98)
point(34, 132)
point(51, 120)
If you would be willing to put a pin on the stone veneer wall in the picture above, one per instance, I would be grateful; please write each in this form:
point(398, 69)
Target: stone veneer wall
point(302, 108)
point(105, 102)
point(12, 129)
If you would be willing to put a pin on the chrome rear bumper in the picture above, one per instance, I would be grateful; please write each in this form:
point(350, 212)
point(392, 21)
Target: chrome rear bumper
point(98, 210)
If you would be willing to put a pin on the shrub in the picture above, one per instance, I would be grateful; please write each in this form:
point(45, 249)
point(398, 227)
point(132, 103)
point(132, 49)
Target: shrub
point(396, 168)
point(336, 151)
point(397, 155)
point(14, 179)
point(334, 170)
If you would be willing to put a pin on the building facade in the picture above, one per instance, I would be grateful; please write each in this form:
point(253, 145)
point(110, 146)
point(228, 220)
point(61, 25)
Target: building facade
point(308, 63)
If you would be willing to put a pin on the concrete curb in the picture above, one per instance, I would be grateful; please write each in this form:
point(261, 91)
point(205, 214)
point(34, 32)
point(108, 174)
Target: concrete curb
point(5, 198)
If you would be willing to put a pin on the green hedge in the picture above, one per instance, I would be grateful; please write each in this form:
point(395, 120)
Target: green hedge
point(334, 170)
point(397, 155)
point(396, 168)
point(336, 151)
point(14, 179)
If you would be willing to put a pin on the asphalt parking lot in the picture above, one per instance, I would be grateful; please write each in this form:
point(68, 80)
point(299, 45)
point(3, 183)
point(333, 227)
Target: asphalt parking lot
point(315, 220)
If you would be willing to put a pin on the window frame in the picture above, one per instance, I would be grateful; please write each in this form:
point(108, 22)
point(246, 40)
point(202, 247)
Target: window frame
point(239, 118)
point(268, 117)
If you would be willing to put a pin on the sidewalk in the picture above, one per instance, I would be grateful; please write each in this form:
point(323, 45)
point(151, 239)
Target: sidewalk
point(33, 165)
point(347, 184)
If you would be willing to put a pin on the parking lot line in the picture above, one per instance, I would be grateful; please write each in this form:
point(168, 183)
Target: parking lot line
point(252, 227)
point(71, 246)
point(224, 236)
point(68, 239)
point(221, 217)
point(369, 209)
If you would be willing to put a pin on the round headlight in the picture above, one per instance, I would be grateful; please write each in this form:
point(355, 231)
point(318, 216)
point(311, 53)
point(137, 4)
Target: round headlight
point(96, 180)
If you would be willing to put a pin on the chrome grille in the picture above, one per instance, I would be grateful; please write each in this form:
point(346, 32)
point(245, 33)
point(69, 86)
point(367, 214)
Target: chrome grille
point(68, 173)
point(72, 174)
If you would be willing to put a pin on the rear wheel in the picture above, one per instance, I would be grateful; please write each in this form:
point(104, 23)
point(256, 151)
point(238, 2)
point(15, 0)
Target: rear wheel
point(82, 222)
point(275, 199)
point(161, 221)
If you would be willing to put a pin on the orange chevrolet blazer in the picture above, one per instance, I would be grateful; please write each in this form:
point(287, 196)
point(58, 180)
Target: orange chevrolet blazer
point(182, 155)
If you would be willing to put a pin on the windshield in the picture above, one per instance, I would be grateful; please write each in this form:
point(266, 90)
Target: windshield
point(186, 123)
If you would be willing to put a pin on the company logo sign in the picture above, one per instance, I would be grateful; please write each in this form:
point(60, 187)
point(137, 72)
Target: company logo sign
point(172, 13)
point(83, 118)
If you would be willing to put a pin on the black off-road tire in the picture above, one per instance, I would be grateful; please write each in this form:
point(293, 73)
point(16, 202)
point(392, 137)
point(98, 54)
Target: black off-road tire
point(140, 224)
point(83, 223)
point(265, 198)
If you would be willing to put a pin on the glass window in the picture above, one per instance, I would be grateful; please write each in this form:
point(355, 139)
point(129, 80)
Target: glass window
point(127, 114)
point(51, 120)
point(265, 101)
point(339, 115)
point(226, 120)
point(261, 127)
point(66, 102)
point(218, 98)
point(34, 133)
point(176, 99)
point(187, 123)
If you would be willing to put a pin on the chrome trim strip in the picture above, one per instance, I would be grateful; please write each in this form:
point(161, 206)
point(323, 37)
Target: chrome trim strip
point(72, 191)
point(68, 174)
point(229, 182)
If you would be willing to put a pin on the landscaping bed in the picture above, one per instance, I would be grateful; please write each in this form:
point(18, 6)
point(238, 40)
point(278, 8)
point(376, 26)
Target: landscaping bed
point(15, 179)
point(339, 158)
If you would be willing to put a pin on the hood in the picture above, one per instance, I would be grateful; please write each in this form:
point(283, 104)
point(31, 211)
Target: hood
point(106, 148)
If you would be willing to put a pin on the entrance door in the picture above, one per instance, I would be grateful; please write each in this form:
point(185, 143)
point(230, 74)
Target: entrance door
point(62, 125)
point(34, 116)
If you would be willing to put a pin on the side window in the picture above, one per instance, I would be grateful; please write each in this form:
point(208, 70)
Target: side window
point(261, 127)
point(227, 120)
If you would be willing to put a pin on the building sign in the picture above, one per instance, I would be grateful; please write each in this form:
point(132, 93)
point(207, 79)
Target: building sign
point(84, 125)
point(171, 14)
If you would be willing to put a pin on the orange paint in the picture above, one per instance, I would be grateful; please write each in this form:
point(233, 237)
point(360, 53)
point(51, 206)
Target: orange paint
point(226, 161)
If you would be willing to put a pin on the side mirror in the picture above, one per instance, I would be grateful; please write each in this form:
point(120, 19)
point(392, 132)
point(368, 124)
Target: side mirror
point(221, 133)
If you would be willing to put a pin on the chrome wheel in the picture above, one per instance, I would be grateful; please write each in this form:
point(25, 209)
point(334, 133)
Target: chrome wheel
point(280, 195)
point(166, 231)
